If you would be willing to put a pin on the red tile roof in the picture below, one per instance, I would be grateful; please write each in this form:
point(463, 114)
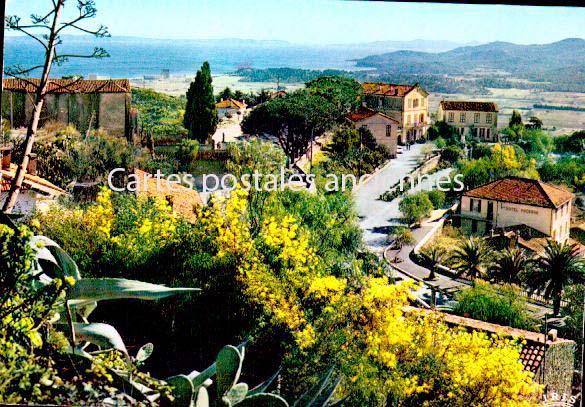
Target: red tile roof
point(230, 104)
point(388, 89)
point(70, 85)
point(183, 200)
point(522, 191)
point(364, 113)
point(33, 182)
point(470, 106)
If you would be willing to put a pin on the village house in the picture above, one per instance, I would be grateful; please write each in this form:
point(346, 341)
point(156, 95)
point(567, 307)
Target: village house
point(408, 104)
point(518, 202)
point(476, 119)
point(86, 104)
point(230, 108)
point(36, 195)
point(384, 128)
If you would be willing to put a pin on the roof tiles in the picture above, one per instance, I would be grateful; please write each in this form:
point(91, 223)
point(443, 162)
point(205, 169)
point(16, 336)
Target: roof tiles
point(69, 85)
point(470, 106)
point(522, 191)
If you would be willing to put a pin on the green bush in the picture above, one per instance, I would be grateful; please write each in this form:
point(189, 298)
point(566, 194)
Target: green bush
point(496, 304)
point(437, 198)
point(415, 207)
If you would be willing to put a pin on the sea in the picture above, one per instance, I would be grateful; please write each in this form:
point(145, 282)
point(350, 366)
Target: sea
point(138, 57)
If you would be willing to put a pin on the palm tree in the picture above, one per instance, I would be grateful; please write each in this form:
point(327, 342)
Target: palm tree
point(402, 237)
point(559, 266)
point(471, 257)
point(509, 265)
point(431, 258)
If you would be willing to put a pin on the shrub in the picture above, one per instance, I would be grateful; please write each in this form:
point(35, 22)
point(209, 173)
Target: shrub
point(496, 304)
point(415, 207)
point(437, 198)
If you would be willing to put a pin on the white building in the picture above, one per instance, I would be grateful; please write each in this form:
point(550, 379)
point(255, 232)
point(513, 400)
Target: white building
point(516, 201)
point(231, 108)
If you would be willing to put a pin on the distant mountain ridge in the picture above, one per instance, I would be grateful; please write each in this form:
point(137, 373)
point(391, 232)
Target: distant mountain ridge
point(537, 62)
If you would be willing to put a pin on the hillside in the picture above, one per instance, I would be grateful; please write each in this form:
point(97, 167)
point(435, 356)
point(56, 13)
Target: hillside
point(560, 63)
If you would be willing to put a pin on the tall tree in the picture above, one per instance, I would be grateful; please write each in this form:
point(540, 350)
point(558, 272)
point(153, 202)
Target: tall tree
point(344, 93)
point(46, 29)
point(225, 94)
point(560, 266)
point(516, 119)
point(200, 112)
point(295, 120)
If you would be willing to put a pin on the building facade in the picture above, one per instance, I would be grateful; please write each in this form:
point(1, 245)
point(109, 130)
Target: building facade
point(86, 104)
point(408, 104)
point(384, 128)
point(230, 108)
point(474, 119)
point(513, 201)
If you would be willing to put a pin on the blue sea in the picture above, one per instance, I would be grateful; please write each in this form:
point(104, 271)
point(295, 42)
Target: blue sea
point(136, 57)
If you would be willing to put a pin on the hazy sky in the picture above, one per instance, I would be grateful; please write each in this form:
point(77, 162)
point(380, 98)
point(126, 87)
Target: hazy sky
point(328, 21)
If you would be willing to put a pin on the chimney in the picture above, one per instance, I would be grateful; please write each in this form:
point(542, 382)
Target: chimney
point(6, 155)
point(32, 164)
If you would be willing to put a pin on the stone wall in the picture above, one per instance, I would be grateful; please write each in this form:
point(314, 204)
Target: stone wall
point(558, 368)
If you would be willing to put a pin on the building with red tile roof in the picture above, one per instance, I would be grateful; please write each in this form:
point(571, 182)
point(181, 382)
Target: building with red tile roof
point(383, 127)
point(183, 200)
point(406, 103)
point(36, 194)
point(471, 118)
point(87, 104)
point(515, 201)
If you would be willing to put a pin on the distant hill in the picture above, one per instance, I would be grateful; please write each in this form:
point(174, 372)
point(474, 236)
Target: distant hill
point(561, 62)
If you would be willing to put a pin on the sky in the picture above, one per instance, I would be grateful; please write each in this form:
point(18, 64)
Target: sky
point(327, 21)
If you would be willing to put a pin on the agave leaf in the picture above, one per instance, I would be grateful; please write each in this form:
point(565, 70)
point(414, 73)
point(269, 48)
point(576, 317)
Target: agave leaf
point(103, 335)
point(144, 352)
point(265, 384)
point(236, 394)
point(67, 267)
point(229, 366)
point(311, 395)
point(263, 400)
point(98, 289)
point(202, 398)
point(182, 390)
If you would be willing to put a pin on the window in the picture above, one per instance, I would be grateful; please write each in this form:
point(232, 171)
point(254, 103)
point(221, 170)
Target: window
point(475, 205)
point(451, 117)
point(422, 117)
point(408, 119)
point(388, 130)
point(488, 134)
point(482, 133)
point(476, 118)
point(474, 226)
point(415, 103)
point(409, 103)
point(462, 117)
point(488, 118)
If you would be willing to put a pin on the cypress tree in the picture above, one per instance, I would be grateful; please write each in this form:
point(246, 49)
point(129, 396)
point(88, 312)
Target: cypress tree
point(200, 112)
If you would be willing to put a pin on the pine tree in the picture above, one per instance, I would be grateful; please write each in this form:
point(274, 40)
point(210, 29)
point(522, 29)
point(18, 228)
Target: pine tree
point(200, 112)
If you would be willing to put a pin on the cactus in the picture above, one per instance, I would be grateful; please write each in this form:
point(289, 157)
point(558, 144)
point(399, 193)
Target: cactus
point(226, 369)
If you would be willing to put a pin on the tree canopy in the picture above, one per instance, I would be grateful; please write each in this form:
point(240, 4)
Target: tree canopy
point(294, 120)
